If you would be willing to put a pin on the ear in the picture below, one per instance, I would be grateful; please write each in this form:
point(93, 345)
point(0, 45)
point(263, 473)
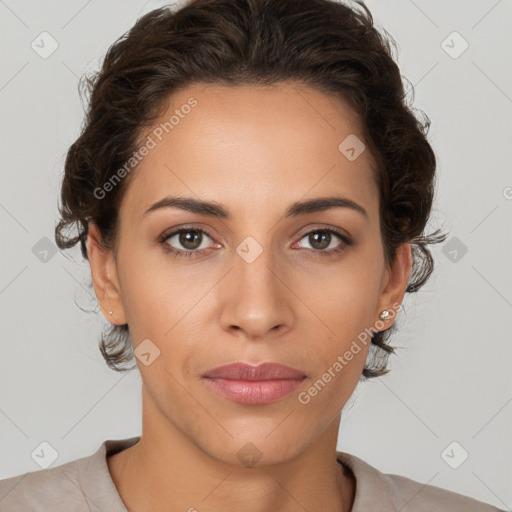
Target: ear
point(104, 278)
point(394, 283)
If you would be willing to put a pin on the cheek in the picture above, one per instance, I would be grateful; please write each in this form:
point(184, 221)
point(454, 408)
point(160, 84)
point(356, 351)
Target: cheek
point(167, 306)
point(155, 291)
point(345, 300)
point(346, 304)
point(335, 380)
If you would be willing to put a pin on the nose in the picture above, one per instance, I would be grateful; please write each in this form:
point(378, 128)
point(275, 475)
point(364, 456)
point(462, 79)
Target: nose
point(258, 302)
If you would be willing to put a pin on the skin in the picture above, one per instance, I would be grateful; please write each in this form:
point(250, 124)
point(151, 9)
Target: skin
point(255, 150)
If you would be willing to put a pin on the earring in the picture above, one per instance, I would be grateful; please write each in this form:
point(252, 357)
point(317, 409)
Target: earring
point(110, 312)
point(384, 315)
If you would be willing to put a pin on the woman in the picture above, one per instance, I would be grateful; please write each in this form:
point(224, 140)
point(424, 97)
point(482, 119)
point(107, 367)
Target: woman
point(251, 192)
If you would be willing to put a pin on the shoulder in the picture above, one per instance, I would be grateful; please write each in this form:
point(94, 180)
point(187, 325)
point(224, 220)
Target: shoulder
point(421, 497)
point(80, 485)
point(40, 490)
point(394, 492)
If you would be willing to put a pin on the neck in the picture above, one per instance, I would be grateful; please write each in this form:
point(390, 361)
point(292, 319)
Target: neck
point(165, 470)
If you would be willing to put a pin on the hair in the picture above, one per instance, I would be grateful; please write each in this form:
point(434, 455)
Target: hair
point(323, 44)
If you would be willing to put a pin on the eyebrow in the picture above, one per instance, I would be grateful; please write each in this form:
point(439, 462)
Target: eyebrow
point(215, 209)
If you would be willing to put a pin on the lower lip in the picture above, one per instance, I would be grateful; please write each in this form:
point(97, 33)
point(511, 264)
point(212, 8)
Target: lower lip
point(254, 392)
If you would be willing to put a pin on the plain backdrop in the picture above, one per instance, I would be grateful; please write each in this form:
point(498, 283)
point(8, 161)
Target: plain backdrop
point(451, 382)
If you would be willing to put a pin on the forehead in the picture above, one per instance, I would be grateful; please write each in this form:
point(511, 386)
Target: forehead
point(251, 146)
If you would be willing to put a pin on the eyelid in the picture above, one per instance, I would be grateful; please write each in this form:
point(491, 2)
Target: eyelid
point(323, 227)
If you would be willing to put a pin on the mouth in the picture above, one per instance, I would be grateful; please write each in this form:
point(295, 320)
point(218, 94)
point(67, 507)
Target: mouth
point(254, 385)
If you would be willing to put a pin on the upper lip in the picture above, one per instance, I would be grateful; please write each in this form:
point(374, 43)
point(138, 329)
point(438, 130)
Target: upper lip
point(245, 371)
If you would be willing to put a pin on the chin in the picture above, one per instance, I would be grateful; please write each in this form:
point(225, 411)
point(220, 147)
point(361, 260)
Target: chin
point(256, 447)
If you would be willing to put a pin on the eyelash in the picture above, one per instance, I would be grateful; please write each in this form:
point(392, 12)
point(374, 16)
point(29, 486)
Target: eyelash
point(196, 254)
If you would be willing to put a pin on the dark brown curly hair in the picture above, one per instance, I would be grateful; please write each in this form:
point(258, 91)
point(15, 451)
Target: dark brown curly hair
point(324, 44)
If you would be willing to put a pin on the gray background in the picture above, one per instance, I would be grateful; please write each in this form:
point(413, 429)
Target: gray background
point(452, 380)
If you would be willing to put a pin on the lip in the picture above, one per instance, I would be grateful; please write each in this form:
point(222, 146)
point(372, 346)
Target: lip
point(246, 371)
point(248, 384)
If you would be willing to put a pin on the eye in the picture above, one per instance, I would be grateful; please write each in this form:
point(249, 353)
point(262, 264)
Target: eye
point(190, 242)
point(322, 239)
point(189, 238)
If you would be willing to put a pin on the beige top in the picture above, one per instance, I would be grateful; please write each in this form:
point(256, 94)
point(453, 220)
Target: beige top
point(85, 485)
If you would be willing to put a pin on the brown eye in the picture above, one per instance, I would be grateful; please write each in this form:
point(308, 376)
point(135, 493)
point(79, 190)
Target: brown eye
point(321, 239)
point(190, 239)
point(188, 242)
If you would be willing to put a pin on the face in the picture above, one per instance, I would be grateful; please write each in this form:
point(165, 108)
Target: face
point(252, 282)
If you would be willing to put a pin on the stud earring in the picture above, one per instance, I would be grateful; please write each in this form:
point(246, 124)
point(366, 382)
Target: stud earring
point(384, 315)
point(110, 312)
